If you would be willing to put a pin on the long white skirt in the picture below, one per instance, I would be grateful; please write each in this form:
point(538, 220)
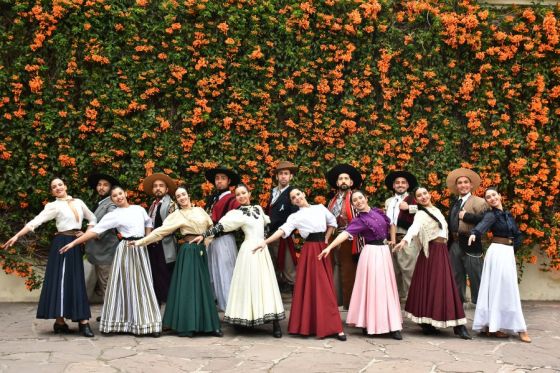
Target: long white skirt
point(499, 305)
point(254, 298)
point(222, 253)
point(130, 303)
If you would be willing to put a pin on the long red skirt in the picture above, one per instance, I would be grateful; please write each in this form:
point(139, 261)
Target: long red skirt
point(433, 297)
point(314, 306)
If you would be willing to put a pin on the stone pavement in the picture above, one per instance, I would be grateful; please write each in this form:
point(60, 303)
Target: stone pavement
point(28, 345)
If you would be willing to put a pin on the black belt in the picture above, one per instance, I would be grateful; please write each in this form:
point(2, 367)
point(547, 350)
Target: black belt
point(375, 242)
point(316, 237)
point(131, 238)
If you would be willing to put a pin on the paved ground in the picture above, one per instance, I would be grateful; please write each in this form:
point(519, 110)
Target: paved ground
point(27, 344)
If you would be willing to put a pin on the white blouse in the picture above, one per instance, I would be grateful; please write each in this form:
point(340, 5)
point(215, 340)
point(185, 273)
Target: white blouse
point(65, 218)
point(129, 221)
point(306, 220)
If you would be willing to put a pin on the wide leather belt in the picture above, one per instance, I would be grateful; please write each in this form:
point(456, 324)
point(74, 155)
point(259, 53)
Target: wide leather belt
point(316, 237)
point(375, 242)
point(71, 232)
point(439, 240)
point(187, 238)
point(503, 240)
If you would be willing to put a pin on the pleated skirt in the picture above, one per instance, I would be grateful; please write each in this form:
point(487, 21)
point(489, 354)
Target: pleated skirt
point(499, 305)
point(375, 298)
point(254, 297)
point(130, 304)
point(314, 306)
point(222, 253)
point(190, 304)
point(433, 297)
point(64, 291)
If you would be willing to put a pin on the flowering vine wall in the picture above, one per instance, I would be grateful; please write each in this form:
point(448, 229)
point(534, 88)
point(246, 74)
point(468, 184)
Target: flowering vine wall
point(135, 87)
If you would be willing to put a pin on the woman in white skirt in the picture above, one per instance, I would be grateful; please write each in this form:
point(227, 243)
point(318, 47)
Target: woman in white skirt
point(498, 310)
point(254, 298)
point(374, 305)
point(130, 304)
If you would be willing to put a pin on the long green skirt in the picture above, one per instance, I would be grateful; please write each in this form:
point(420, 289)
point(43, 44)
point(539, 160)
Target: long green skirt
point(190, 304)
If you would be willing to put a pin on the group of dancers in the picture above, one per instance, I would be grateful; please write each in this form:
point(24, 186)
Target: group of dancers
point(380, 257)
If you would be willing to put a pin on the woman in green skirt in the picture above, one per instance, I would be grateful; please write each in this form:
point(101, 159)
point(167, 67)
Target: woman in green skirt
point(190, 304)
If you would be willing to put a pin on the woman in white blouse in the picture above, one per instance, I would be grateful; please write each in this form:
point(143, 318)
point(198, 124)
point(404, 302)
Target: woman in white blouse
point(63, 295)
point(130, 304)
point(314, 306)
point(433, 300)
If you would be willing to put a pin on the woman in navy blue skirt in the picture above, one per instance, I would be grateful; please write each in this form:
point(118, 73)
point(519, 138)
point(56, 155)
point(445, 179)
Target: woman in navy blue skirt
point(63, 295)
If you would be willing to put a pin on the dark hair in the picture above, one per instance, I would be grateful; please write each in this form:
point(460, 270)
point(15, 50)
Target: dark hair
point(243, 185)
point(113, 187)
point(56, 178)
point(357, 191)
point(491, 188)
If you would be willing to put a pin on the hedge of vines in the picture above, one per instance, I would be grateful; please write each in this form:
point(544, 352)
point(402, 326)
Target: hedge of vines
point(135, 87)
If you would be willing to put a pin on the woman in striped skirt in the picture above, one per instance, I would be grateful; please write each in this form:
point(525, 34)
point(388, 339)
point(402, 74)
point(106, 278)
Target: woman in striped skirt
point(130, 304)
point(63, 294)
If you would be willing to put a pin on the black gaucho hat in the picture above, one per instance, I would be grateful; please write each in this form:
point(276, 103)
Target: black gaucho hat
point(390, 179)
point(234, 178)
point(94, 178)
point(344, 168)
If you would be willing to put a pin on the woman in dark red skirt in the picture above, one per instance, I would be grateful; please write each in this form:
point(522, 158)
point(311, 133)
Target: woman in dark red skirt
point(314, 307)
point(433, 300)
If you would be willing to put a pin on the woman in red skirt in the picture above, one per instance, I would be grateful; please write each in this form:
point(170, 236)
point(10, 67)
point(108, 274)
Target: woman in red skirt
point(314, 307)
point(433, 300)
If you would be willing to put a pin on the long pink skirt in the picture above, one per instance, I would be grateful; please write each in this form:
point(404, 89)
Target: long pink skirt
point(375, 299)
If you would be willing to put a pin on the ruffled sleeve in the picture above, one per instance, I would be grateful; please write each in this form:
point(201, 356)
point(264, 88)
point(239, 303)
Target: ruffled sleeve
point(231, 221)
point(108, 221)
point(88, 215)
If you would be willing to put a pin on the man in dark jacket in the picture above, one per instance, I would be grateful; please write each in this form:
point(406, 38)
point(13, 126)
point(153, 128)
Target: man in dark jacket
point(279, 207)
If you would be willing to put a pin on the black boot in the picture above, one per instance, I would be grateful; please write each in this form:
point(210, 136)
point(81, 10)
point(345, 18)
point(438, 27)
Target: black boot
point(61, 328)
point(85, 330)
point(218, 333)
point(396, 335)
point(461, 331)
point(276, 330)
point(429, 329)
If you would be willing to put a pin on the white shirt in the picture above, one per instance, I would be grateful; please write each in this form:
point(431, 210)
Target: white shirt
point(306, 220)
point(129, 221)
point(464, 199)
point(393, 209)
point(276, 193)
point(65, 218)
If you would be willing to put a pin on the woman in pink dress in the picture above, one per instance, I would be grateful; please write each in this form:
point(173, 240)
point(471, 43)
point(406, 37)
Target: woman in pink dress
point(374, 305)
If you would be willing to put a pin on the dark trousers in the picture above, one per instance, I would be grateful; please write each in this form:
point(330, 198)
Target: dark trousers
point(466, 265)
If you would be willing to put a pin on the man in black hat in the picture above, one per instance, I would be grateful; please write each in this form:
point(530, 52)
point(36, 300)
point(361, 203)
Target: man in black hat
point(400, 208)
point(222, 251)
point(163, 254)
point(100, 251)
point(344, 178)
point(279, 207)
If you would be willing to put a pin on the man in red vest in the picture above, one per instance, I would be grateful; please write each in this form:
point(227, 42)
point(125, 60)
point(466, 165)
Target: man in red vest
point(344, 178)
point(222, 251)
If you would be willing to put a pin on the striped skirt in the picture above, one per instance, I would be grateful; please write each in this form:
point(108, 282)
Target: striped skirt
point(130, 304)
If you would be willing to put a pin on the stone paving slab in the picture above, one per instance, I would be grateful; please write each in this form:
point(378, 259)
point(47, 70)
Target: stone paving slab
point(28, 345)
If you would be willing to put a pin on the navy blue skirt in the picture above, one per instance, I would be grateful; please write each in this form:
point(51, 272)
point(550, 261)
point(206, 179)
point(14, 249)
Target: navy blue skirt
point(64, 291)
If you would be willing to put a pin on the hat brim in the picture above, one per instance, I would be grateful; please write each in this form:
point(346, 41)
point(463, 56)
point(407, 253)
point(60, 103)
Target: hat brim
point(293, 170)
point(149, 182)
point(332, 175)
point(410, 178)
point(460, 172)
point(210, 175)
point(94, 178)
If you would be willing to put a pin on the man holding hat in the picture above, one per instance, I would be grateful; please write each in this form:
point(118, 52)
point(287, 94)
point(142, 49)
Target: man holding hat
point(344, 177)
point(222, 251)
point(465, 212)
point(279, 207)
point(400, 208)
point(163, 254)
point(100, 251)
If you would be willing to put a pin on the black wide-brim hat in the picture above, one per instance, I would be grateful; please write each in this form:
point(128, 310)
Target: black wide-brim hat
point(344, 168)
point(94, 178)
point(234, 178)
point(390, 179)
